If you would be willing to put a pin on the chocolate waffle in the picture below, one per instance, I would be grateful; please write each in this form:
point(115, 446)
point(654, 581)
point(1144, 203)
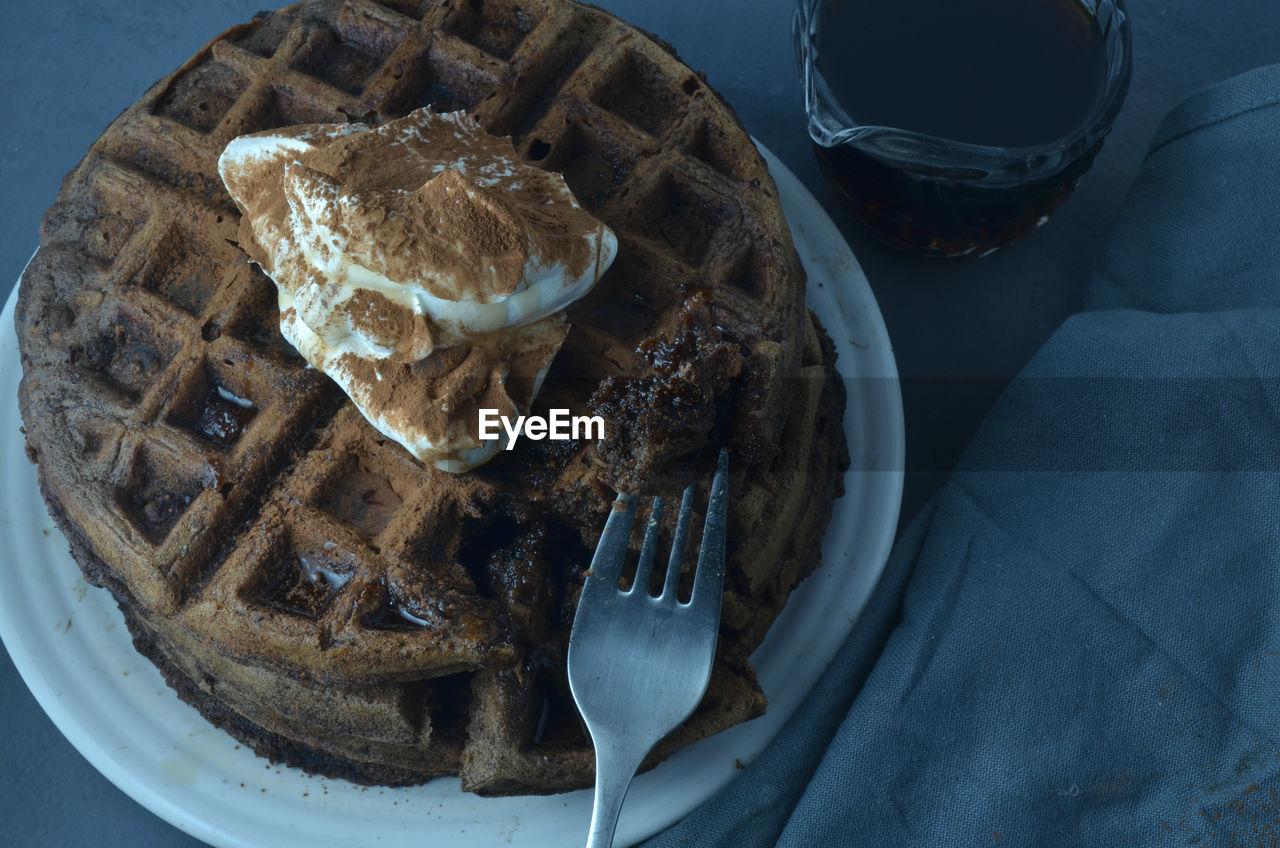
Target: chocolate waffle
point(306, 583)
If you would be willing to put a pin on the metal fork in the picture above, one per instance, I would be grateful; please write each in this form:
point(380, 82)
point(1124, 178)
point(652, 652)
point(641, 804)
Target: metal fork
point(639, 665)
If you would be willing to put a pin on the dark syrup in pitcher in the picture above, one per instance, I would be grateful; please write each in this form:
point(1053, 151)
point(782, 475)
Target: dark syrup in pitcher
point(998, 73)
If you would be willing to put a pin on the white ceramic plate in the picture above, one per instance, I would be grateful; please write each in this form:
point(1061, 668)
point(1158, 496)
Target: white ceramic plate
point(71, 647)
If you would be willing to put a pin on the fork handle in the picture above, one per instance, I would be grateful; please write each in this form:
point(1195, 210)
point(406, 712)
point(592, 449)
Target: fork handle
point(615, 766)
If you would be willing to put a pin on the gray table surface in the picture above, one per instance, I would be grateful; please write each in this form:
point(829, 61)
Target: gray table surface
point(960, 329)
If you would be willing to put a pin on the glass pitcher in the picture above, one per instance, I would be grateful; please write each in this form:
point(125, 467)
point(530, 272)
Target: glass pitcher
point(924, 193)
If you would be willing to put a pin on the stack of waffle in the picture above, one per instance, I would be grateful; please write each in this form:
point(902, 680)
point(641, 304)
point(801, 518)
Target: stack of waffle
point(302, 580)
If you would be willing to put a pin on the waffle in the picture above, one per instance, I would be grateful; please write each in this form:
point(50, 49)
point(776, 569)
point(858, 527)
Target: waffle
point(306, 583)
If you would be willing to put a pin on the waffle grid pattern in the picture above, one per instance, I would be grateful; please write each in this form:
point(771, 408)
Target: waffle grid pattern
point(276, 556)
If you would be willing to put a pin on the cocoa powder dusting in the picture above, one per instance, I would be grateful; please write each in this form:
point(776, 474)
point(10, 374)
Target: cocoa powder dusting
point(449, 388)
point(482, 224)
point(375, 316)
point(431, 203)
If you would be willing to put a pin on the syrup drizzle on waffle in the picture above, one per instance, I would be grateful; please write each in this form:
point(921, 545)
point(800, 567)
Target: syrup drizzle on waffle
point(287, 567)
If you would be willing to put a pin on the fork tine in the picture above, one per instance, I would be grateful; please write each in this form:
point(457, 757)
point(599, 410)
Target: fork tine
point(611, 552)
point(672, 581)
point(647, 553)
point(708, 580)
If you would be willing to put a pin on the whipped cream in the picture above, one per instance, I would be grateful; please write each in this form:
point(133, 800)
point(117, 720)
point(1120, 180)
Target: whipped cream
point(420, 264)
